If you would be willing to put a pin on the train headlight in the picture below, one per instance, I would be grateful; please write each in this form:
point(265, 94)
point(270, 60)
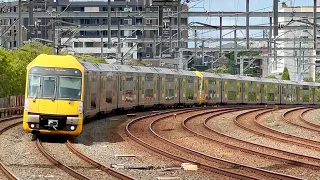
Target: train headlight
point(26, 104)
point(72, 128)
point(32, 125)
point(80, 110)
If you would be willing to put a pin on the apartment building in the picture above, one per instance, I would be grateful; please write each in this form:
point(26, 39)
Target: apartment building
point(300, 65)
point(139, 34)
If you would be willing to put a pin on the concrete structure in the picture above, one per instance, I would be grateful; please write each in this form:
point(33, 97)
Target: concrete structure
point(301, 66)
point(93, 28)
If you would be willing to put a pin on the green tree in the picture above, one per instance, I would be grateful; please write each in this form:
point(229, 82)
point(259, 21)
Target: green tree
point(222, 69)
point(235, 69)
point(135, 62)
point(308, 79)
point(271, 77)
point(285, 74)
point(89, 58)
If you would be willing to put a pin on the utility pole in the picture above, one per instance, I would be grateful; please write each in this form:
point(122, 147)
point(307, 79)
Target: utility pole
point(119, 43)
point(179, 23)
point(220, 50)
point(160, 22)
point(269, 45)
point(247, 22)
point(101, 32)
point(109, 24)
point(20, 26)
point(241, 66)
point(202, 44)
point(170, 33)
point(235, 47)
point(299, 63)
point(195, 47)
point(31, 21)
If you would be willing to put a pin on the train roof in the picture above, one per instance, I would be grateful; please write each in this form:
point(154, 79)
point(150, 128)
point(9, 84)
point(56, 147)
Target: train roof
point(210, 75)
point(136, 69)
point(187, 73)
point(90, 66)
point(166, 71)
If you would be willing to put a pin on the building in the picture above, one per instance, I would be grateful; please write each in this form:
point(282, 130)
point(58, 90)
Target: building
point(302, 40)
point(83, 24)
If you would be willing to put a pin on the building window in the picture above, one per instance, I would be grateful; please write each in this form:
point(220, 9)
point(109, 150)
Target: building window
point(149, 21)
point(78, 44)
point(130, 44)
point(138, 21)
point(89, 44)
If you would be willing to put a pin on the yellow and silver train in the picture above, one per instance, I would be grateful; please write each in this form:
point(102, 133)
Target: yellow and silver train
point(61, 92)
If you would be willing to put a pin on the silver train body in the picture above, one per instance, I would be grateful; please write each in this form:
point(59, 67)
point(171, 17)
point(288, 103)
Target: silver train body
point(108, 87)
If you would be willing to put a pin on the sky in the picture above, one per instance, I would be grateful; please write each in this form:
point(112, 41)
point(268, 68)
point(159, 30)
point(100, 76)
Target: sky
point(236, 5)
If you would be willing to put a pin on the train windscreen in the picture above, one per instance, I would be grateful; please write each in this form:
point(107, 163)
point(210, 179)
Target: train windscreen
point(54, 83)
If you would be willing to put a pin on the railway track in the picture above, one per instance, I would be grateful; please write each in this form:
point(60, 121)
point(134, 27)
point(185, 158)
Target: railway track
point(4, 128)
point(310, 124)
point(254, 148)
point(247, 169)
point(253, 126)
point(293, 121)
point(188, 155)
point(287, 137)
point(96, 164)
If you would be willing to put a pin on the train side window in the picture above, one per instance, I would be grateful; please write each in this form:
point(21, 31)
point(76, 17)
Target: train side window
point(93, 101)
point(129, 77)
point(120, 82)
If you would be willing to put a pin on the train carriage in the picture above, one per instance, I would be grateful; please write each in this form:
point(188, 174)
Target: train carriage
point(211, 88)
point(148, 93)
point(168, 84)
point(251, 90)
point(108, 88)
point(127, 84)
point(231, 87)
point(91, 105)
point(189, 85)
point(305, 93)
point(270, 92)
point(288, 92)
point(316, 93)
point(54, 96)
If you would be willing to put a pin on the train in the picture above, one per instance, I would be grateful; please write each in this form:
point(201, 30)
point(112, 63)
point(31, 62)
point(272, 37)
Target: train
point(62, 93)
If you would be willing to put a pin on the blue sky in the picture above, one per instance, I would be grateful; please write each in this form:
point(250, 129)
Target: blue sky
point(237, 5)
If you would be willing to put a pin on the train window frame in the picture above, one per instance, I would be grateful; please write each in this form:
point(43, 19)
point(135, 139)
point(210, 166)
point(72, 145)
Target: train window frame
point(55, 87)
point(38, 91)
point(190, 79)
point(169, 78)
point(149, 76)
point(129, 76)
point(58, 88)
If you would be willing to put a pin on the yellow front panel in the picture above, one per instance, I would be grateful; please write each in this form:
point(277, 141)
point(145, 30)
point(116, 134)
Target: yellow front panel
point(68, 109)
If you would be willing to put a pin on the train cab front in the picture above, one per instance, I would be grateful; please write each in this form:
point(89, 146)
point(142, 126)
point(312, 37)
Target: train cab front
point(53, 103)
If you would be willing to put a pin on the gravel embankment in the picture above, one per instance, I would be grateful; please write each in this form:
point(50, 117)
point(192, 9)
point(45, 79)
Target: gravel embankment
point(313, 116)
point(177, 134)
point(225, 124)
point(61, 153)
point(274, 121)
point(109, 140)
point(21, 155)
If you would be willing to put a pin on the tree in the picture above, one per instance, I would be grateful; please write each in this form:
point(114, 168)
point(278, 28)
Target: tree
point(89, 58)
point(308, 79)
point(235, 69)
point(222, 69)
point(285, 74)
point(271, 77)
point(135, 62)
